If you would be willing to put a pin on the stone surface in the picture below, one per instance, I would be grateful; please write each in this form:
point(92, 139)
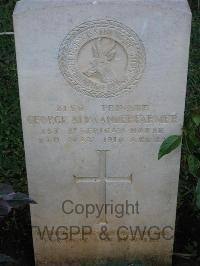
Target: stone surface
point(102, 83)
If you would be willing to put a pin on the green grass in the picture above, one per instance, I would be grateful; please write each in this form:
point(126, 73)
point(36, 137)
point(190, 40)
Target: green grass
point(188, 216)
point(15, 233)
point(12, 165)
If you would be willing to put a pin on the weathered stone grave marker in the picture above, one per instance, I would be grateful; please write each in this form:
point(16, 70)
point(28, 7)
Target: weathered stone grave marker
point(102, 83)
point(103, 176)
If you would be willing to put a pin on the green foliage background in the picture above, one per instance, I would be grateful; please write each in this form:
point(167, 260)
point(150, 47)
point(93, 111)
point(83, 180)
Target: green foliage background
point(15, 233)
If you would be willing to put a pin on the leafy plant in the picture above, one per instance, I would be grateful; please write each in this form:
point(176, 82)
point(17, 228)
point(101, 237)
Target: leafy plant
point(169, 145)
point(191, 139)
point(6, 260)
point(10, 200)
point(190, 165)
point(192, 248)
point(137, 263)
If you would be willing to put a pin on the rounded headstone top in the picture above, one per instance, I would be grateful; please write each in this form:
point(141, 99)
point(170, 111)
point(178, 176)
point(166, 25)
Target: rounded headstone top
point(30, 5)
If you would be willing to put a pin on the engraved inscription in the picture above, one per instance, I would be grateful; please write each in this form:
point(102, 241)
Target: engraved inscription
point(73, 123)
point(102, 58)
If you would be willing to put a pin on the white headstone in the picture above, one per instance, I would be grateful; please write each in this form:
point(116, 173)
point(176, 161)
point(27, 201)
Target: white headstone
point(102, 83)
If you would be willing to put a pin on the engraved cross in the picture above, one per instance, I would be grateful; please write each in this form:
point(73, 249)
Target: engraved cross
point(102, 176)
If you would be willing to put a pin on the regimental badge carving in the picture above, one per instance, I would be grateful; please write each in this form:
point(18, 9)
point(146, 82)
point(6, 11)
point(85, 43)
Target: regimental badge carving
point(102, 58)
point(100, 65)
